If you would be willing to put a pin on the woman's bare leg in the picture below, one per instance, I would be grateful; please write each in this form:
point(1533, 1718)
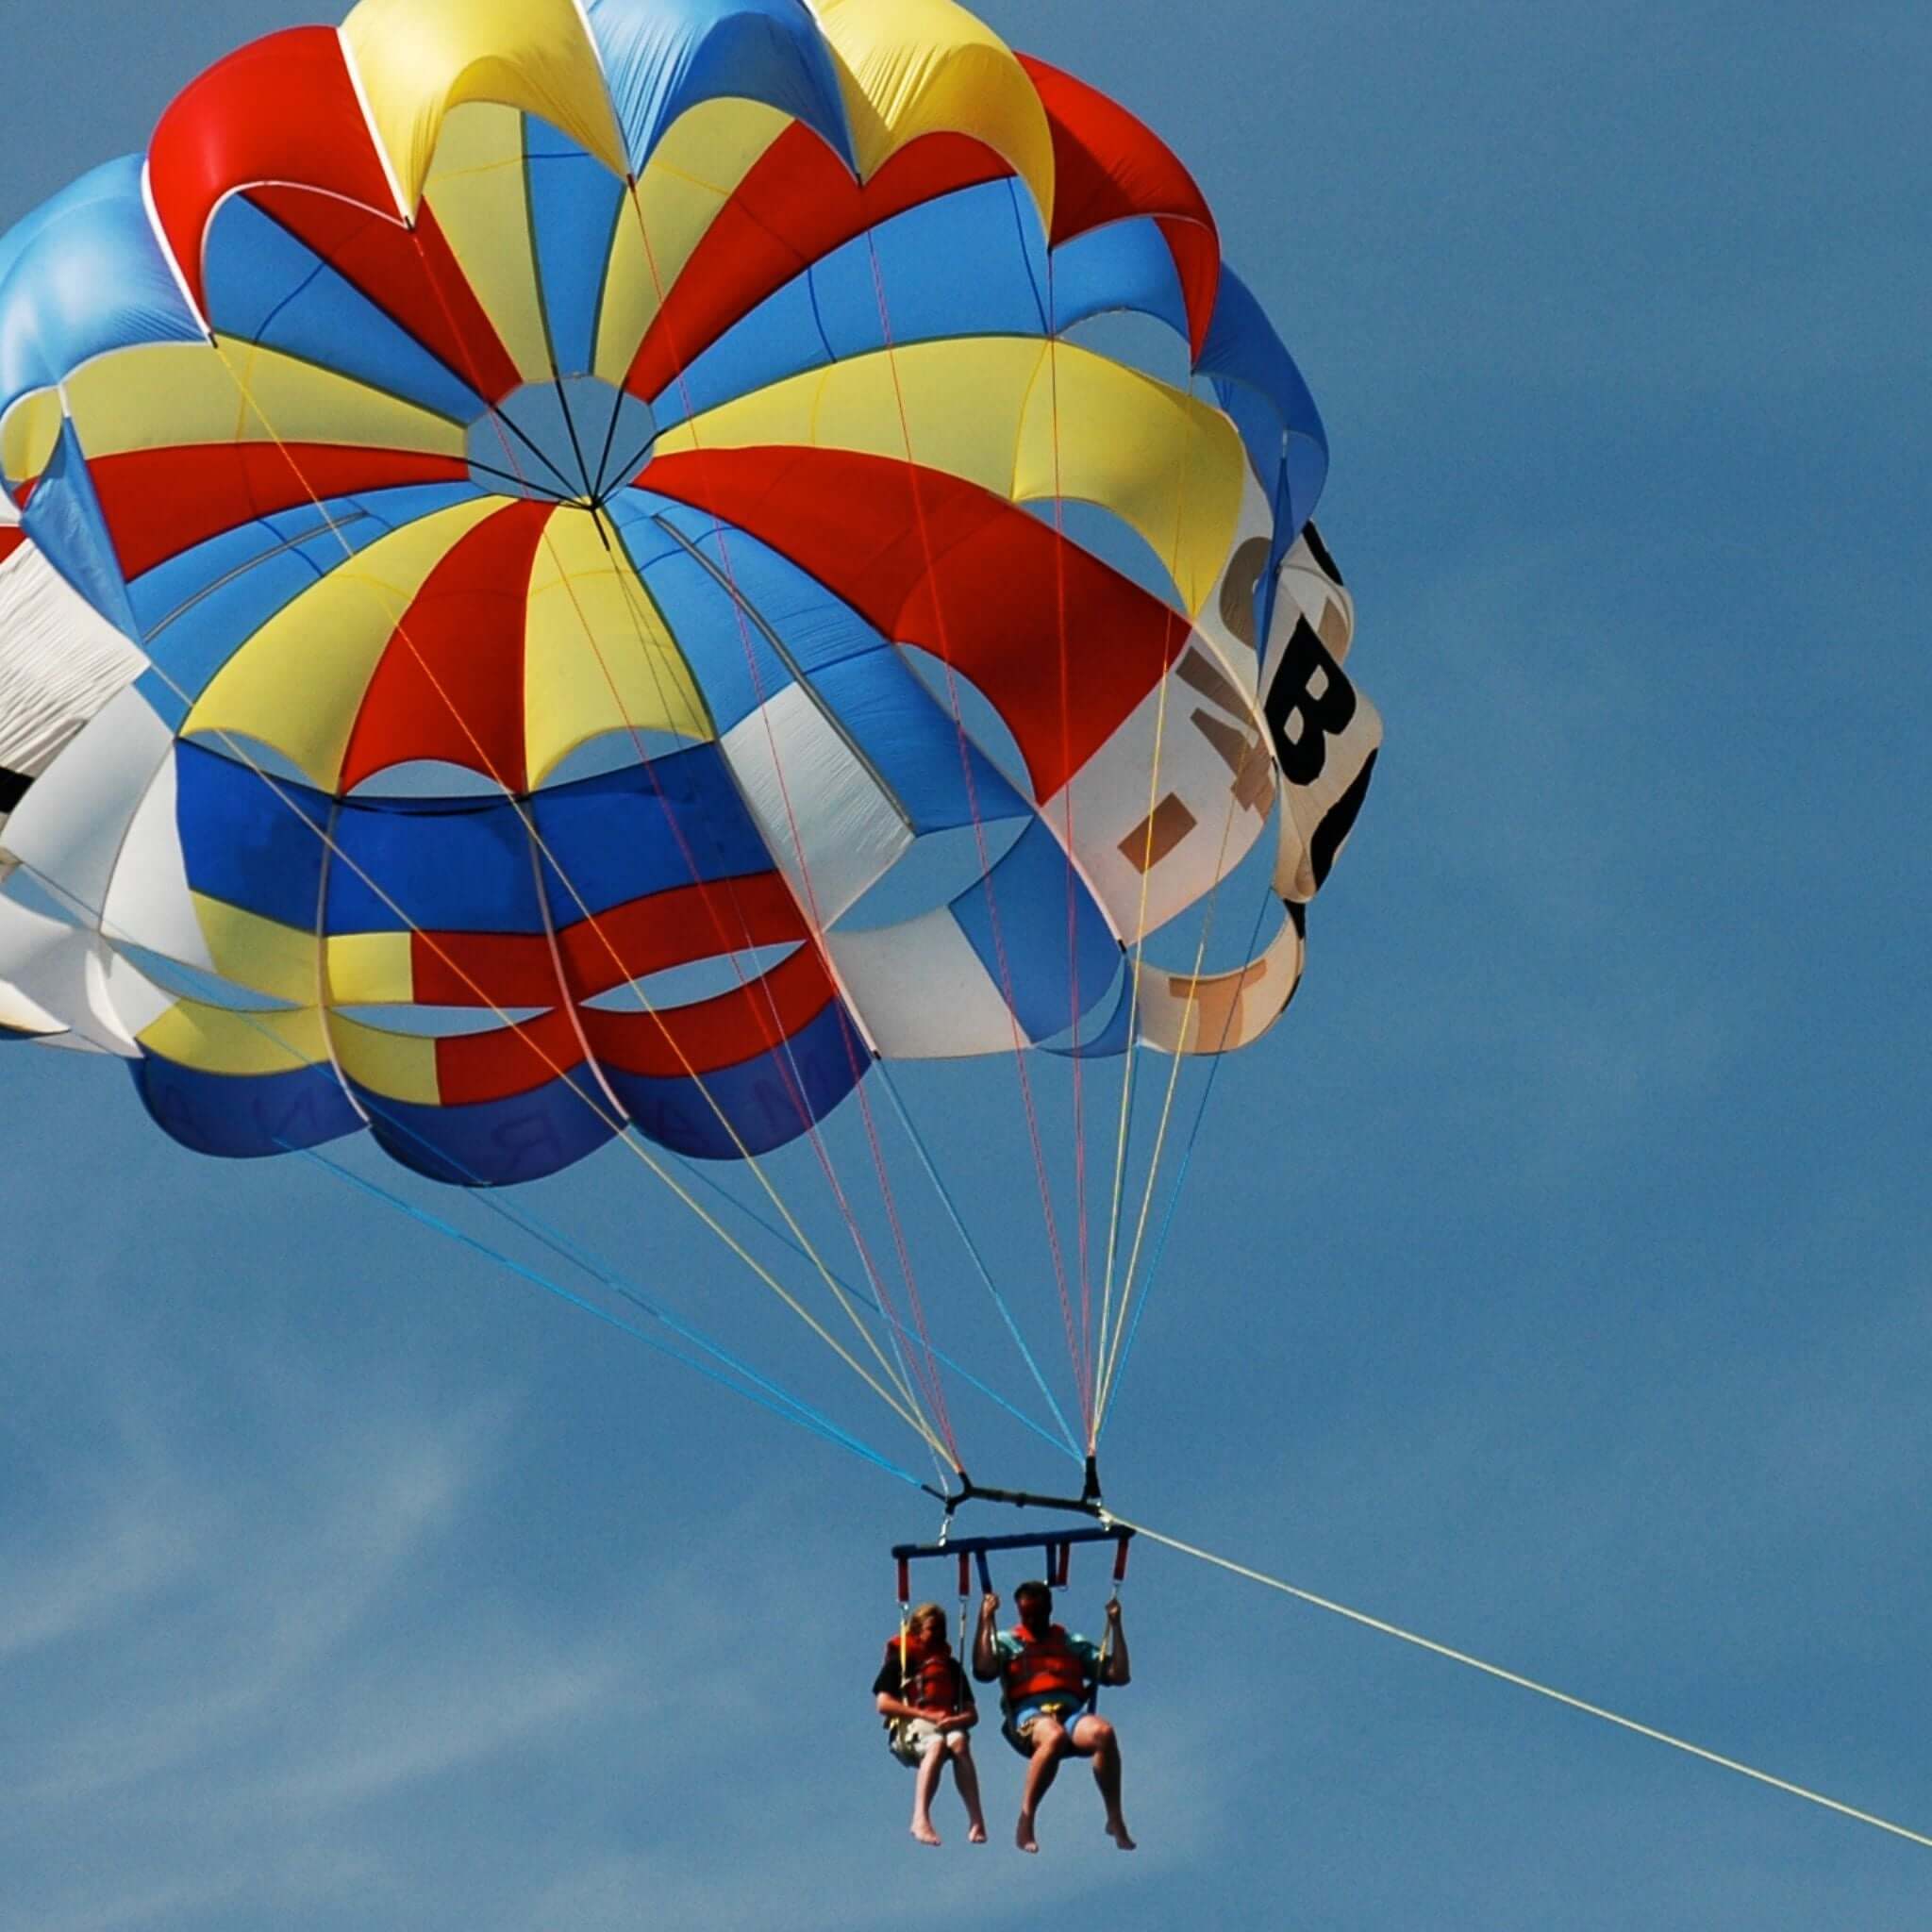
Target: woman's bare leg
point(966, 1775)
point(925, 1785)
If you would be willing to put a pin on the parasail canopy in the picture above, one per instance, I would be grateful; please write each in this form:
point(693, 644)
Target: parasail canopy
point(531, 529)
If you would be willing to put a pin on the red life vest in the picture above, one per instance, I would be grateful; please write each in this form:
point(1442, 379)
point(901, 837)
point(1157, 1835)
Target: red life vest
point(927, 1677)
point(1047, 1666)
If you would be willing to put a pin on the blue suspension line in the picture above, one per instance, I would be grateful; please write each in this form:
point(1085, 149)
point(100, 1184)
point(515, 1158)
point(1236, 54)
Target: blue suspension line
point(933, 1174)
point(786, 1407)
point(567, 1248)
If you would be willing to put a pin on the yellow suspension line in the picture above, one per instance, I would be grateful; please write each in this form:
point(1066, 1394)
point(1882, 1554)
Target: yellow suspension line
point(1120, 1161)
point(1111, 1352)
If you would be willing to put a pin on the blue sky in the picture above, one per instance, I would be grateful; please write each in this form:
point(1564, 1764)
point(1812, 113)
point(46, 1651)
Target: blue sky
point(1553, 1281)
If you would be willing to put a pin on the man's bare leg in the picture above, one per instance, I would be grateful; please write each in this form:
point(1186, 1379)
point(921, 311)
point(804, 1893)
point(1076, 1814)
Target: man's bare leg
point(1095, 1737)
point(1049, 1746)
point(925, 1785)
point(966, 1775)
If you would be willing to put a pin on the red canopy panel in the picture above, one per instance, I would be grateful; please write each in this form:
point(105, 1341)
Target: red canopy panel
point(159, 502)
point(721, 1032)
point(797, 204)
point(940, 563)
point(410, 274)
point(283, 108)
point(450, 684)
point(1110, 167)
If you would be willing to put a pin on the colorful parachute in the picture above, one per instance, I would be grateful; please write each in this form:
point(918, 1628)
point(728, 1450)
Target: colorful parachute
point(525, 506)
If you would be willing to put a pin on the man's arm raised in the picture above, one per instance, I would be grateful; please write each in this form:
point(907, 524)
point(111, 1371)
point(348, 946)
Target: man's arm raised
point(986, 1656)
point(1114, 1669)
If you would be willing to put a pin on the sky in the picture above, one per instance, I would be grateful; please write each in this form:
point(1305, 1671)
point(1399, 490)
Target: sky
point(1553, 1282)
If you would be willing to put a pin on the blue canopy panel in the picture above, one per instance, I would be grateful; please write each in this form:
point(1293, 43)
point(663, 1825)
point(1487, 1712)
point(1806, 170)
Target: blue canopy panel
point(265, 286)
point(1284, 437)
point(574, 201)
point(194, 611)
point(491, 1143)
point(435, 864)
point(244, 1116)
point(915, 745)
point(83, 274)
point(731, 660)
point(63, 518)
point(626, 834)
point(661, 58)
point(1109, 1037)
point(768, 1100)
point(249, 844)
point(1021, 935)
point(1126, 266)
point(969, 263)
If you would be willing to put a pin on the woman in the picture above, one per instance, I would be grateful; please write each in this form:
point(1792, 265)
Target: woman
point(927, 1704)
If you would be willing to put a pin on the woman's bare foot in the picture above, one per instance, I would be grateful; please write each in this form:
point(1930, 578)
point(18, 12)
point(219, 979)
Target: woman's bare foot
point(1022, 1834)
point(975, 1832)
point(1117, 1830)
point(923, 1831)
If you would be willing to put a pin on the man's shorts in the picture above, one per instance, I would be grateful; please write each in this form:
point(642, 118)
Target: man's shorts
point(1018, 1726)
point(911, 1739)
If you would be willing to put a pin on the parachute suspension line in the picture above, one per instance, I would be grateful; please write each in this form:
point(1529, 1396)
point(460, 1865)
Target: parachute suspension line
point(795, 1085)
point(1111, 1345)
point(1053, 1236)
point(999, 1301)
point(1530, 1684)
point(600, 1271)
point(1059, 570)
point(932, 1383)
point(593, 1264)
point(1125, 1350)
point(778, 1235)
point(766, 1395)
point(616, 1121)
point(1127, 1074)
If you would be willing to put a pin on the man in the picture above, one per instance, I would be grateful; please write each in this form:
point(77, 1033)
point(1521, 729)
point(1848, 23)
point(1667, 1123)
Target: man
point(1045, 1676)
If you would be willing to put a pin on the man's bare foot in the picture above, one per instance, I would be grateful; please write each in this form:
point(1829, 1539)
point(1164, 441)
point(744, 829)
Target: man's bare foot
point(1117, 1830)
point(975, 1833)
point(1022, 1835)
point(924, 1832)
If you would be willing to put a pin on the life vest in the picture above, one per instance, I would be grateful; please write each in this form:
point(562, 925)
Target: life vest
point(928, 1677)
point(1045, 1667)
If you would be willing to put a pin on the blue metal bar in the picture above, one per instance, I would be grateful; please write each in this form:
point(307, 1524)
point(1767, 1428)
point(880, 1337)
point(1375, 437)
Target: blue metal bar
point(1040, 1540)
